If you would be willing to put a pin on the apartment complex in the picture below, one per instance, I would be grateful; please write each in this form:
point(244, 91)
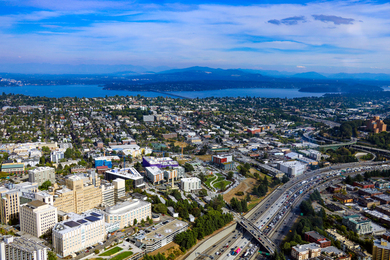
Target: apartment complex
point(42, 174)
point(127, 174)
point(127, 211)
point(358, 224)
point(78, 232)
point(190, 184)
point(381, 250)
point(302, 252)
point(82, 193)
point(37, 218)
point(376, 125)
point(21, 248)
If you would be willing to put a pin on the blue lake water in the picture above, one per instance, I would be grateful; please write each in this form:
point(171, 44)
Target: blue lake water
point(96, 91)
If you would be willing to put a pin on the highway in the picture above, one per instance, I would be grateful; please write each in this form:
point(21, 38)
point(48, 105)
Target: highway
point(273, 209)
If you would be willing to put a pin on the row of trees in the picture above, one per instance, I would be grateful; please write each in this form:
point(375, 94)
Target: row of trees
point(239, 205)
point(342, 155)
point(205, 225)
point(381, 140)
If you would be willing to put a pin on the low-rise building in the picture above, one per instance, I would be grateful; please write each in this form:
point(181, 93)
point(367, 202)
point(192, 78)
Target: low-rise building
point(312, 236)
point(37, 218)
point(291, 168)
point(343, 198)
point(129, 173)
point(171, 211)
point(383, 198)
point(369, 192)
point(78, 232)
point(160, 235)
point(364, 184)
point(17, 168)
point(154, 174)
point(358, 224)
point(126, 212)
point(223, 161)
point(302, 252)
point(345, 242)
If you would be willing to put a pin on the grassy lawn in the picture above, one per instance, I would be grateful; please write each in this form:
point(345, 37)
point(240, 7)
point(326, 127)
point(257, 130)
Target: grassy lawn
point(205, 158)
point(218, 185)
point(111, 251)
point(209, 180)
point(122, 255)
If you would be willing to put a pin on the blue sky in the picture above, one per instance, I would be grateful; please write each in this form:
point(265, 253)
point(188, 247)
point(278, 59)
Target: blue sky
point(323, 36)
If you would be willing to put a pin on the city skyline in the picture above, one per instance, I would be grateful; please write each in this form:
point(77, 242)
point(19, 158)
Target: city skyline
point(300, 36)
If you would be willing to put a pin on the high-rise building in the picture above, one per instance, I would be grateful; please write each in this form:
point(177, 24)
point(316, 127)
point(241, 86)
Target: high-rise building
point(119, 189)
point(108, 196)
point(78, 232)
point(376, 125)
point(154, 174)
point(37, 218)
point(21, 248)
point(381, 250)
point(10, 199)
point(82, 193)
point(9, 205)
point(42, 174)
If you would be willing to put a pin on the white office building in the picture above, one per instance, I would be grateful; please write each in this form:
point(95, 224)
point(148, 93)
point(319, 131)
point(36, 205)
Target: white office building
point(108, 197)
point(78, 232)
point(21, 248)
point(127, 211)
point(292, 168)
point(42, 174)
point(190, 184)
point(37, 218)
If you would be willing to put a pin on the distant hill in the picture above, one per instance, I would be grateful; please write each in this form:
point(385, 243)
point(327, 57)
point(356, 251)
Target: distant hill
point(309, 75)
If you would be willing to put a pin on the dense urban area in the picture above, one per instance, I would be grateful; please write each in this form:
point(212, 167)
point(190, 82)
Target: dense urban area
point(130, 177)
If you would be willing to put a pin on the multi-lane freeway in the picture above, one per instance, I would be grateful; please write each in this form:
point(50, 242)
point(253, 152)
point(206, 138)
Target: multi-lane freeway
point(277, 210)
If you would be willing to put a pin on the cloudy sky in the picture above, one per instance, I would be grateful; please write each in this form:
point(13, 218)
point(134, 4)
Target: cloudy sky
point(323, 36)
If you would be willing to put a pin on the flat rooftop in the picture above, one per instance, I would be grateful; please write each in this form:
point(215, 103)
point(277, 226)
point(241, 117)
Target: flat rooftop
point(126, 206)
point(129, 172)
point(161, 231)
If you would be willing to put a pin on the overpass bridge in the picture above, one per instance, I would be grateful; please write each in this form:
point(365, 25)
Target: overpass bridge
point(335, 146)
point(266, 243)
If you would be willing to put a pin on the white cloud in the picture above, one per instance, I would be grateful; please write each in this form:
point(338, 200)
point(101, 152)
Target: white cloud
point(212, 35)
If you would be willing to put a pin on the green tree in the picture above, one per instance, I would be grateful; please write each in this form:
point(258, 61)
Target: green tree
point(45, 185)
point(230, 175)
point(128, 185)
point(51, 255)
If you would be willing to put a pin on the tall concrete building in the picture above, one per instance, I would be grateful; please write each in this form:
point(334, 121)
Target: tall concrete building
point(381, 250)
point(119, 189)
point(37, 218)
point(108, 195)
point(42, 174)
point(82, 193)
point(10, 199)
point(21, 248)
point(78, 232)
